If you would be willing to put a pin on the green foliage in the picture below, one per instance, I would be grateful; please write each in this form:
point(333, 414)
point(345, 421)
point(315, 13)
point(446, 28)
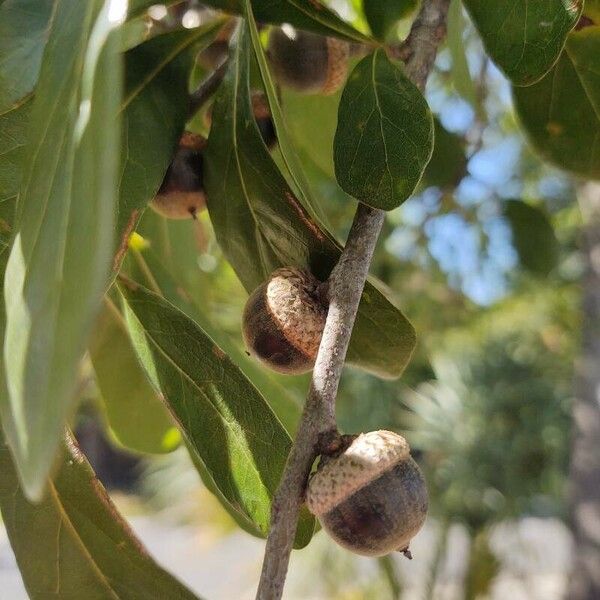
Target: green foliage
point(383, 15)
point(524, 37)
point(247, 447)
point(23, 28)
point(384, 137)
point(533, 237)
point(126, 393)
point(75, 544)
point(64, 232)
point(260, 224)
point(448, 164)
point(561, 113)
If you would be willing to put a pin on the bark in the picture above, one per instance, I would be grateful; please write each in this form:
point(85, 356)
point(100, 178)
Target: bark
point(584, 476)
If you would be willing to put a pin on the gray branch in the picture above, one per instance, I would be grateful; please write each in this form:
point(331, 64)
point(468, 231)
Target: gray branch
point(317, 430)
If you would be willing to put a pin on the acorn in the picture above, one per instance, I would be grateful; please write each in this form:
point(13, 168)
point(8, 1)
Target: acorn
point(307, 62)
point(283, 321)
point(371, 498)
point(181, 194)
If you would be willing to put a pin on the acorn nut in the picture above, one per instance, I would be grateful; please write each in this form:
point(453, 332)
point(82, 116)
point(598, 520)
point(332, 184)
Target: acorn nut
point(181, 194)
point(307, 62)
point(371, 498)
point(284, 319)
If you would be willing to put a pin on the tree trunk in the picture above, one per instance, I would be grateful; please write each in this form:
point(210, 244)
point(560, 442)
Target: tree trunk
point(584, 474)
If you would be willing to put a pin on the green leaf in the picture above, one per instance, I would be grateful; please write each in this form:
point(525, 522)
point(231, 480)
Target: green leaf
point(222, 416)
point(448, 164)
point(137, 417)
point(591, 9)
point(561, 113)
point(384, 137)
point(261, 226)
point(74, 544)
point(311, 15)
point(13, 139)
point(524, 37)
point(155, 108)
point(152, 272)
point(383, 15)
point(61, 256)
point(533, 237)
point(23, 29)
point(288, 152)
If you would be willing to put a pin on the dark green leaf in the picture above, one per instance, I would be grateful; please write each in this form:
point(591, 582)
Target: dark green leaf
point(383, 15)
point(23, 29)
point(13, 139)
point(75, 544)
point(152, 272)
point(533, 237)
point(222, 416)
point(524, 37)
point(384, 137)
point(136, 415)
point(260, 225)
point(561, 113)
point(303, 14)
point(448, 163)
point(155, 108)
point(62, 253)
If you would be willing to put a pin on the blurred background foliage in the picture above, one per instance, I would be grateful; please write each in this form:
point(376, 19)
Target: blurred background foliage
point(485, 401)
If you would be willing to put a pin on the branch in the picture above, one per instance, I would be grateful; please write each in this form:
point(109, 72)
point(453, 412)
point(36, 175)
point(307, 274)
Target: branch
point(206, 89)
point(317, 431)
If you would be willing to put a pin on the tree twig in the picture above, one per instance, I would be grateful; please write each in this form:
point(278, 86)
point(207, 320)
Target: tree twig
point(206, 89)
point(317, 429)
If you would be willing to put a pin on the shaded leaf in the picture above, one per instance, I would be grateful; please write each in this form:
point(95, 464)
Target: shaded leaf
point(155, 107)
point(311, 15)
point(75, 544)
point(384, 136)
point(448, 163)
point(261, 226)
point(383, 15)
point(533, 237)
point(136, 415)
point(561, 113)
point(23, 29)
point(524, 37)
point(591, 9)
point(222, 416)
point(61, 256)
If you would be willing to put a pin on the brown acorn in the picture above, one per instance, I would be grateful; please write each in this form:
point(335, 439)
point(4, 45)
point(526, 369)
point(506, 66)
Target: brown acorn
point(307, 62)
point(372, 498)
point(181, 194)
point(284, 319)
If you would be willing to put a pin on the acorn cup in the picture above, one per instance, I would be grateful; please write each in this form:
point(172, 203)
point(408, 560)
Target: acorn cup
point(307, 62)
point(181, 194)
point(283, 321)
point(372, 498)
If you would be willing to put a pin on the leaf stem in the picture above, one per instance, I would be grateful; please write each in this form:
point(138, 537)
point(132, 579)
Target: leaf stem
point(318, 424)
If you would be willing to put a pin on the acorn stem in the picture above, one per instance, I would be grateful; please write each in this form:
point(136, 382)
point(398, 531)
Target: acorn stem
point(346, 284)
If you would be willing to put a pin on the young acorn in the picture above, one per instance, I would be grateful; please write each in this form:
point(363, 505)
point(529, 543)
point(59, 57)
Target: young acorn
point(284, 319)
point(181, 194)
point(371, 498)
point(307, 62)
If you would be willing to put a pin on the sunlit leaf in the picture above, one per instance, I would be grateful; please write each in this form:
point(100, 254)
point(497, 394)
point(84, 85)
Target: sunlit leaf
point(524, 37)
point(136, 415)
point(561, 113)
point(61, 256)
point(384, 137)
point(74, 544)
point(223, 418)
point(260, 225)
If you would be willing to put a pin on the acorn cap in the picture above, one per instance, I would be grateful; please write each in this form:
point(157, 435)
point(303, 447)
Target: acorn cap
point(367, 458)
point(337, 65)
point(292, 301)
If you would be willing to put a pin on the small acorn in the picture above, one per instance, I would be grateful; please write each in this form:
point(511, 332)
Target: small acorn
point(181, 194)
point(307, 62)
point(371, 498)
point(283, 321)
